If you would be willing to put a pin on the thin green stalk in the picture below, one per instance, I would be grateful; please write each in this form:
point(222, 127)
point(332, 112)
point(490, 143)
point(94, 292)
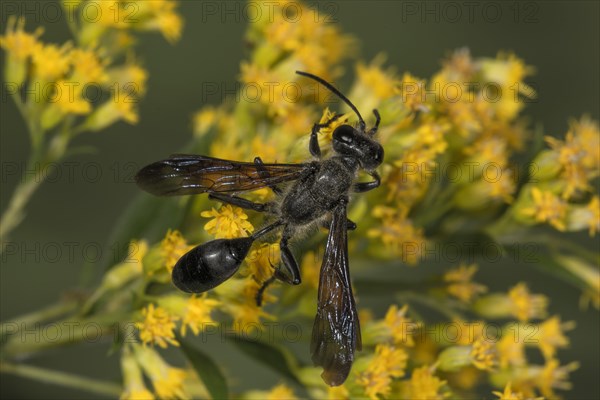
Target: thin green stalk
point(56, 310)
point(62, 379)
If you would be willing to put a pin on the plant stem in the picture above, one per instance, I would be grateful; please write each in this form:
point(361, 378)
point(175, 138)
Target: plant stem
point(14, 213)
point(42, 315)
point(62, 378)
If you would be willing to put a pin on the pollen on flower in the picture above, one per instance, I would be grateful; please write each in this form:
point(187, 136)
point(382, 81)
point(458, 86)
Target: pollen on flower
point(198, 314)
point(388, 363)
point(460, 285)
point(547, 208)
point(173, 247)
point(228, 222)
point(526, 306)
point(157, 327)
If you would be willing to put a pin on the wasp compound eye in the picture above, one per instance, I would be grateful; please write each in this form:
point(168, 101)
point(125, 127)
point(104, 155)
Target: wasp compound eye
point(210, 264)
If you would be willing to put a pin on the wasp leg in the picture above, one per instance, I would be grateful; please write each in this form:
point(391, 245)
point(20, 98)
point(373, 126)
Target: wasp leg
point(350, 225)
point(243, 203)
point(261, 290)
point(288, 272)
point(373, 130)
point(366, 186)
point(265, 174)
point(313, 145)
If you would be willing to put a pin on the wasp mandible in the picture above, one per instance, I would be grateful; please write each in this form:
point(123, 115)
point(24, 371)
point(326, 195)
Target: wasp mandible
point(309, 194)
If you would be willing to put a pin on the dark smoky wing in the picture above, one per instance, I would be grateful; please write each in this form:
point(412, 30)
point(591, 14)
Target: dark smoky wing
point(336, 332)
point(183, 174)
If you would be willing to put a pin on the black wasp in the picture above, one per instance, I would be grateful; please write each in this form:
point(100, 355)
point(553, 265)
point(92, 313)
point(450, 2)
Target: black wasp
point(318, 196)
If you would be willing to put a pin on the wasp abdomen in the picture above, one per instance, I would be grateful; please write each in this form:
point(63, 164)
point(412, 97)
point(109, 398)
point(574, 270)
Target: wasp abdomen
point(210, 264)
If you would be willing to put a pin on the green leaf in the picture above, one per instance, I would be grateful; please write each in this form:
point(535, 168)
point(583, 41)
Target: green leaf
point(276, 358)
point(207, 369)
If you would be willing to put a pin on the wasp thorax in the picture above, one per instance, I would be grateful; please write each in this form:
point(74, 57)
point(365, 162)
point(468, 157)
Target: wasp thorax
point(210, 264)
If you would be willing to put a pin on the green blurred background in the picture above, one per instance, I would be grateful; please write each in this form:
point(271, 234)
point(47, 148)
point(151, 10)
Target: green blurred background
point(559, 38)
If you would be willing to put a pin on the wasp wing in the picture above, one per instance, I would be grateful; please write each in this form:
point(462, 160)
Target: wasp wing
point(336, 331)
point(183, 174)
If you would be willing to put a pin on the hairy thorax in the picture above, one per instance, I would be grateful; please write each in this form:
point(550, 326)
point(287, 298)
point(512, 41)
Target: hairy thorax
point(318, 193)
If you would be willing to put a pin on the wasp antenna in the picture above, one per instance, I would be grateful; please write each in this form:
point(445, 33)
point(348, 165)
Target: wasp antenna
point(334, 91)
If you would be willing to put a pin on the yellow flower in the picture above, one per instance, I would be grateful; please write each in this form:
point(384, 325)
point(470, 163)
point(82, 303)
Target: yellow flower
point(550, 336)
point(18, 43)
point(423, 385)
point(157, 327)
point(228, 222)
point(166, 380)
point(518, 302)
point(133, 382)
point(165, 19)
point(312, 42)
point(88, 67)
point(402, 328)
point(484, 354)
point(338, 393)
point(553, 376)
point(547, 208)
point(382, 84)
point(387, 363)
point(247, 316)
point(398, 234)
point(412, 91)
point(118, 107)
point(173, 247)
point(197, 314)
point(281, 392)
point(508, 394)
point(205, 119)
point(67, 99)
point(131, 78)
point(460, 285)
point(511, 350)
point(262, 261)
point(50, 61)
point(526, 306)
point(578, 156)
